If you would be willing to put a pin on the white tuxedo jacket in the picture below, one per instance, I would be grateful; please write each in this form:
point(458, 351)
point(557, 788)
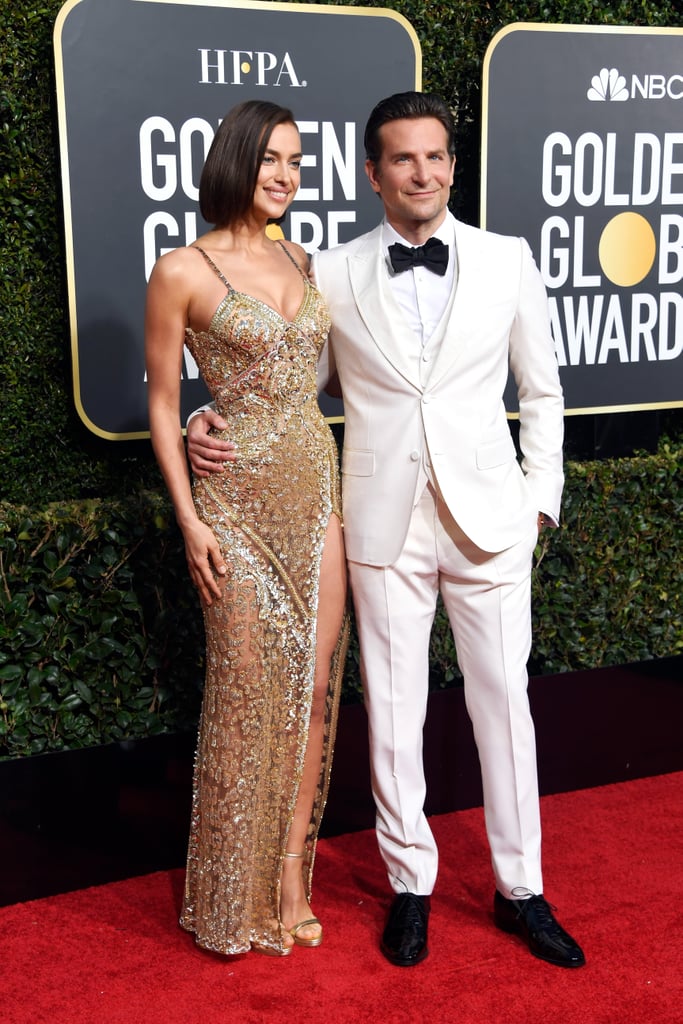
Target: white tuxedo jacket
point(455, 416)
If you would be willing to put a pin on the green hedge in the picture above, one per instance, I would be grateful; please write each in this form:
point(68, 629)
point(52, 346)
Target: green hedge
point(101, 635)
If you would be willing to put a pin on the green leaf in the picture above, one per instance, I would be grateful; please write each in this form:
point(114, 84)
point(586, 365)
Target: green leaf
point(10, 673)
point(83, 691)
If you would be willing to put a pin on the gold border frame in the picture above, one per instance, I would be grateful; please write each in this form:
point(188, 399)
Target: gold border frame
point(249, 5)
point(535, 26)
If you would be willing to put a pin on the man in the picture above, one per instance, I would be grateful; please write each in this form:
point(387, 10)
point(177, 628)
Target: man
point(428, 314)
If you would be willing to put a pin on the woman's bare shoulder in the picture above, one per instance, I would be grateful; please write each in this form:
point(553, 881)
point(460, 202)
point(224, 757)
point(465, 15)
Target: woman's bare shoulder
point(178, 266)
point(182, 258)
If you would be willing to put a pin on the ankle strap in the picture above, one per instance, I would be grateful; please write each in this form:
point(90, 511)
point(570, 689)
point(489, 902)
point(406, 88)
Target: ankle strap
point(299, 856)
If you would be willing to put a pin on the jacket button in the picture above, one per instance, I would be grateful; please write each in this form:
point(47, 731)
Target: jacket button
point(414, 456)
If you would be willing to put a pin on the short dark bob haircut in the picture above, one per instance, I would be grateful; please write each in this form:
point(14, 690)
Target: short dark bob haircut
point(406, 106)
point(228, 181)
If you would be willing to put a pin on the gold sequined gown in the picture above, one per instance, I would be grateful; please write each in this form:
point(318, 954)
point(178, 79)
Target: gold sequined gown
point(269, 510)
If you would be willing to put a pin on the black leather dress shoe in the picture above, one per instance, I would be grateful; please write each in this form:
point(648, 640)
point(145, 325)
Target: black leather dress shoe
point(404, 941)
point(533, 921)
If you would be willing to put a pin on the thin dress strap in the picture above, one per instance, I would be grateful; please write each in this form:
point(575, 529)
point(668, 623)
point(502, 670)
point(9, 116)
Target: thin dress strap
point(213, 266)
point(290, 257)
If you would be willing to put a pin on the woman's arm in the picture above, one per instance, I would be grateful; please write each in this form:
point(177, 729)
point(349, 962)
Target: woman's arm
point(165, 319)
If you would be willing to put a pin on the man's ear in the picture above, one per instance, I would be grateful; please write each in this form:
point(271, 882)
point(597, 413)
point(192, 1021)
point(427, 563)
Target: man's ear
point(371, 171)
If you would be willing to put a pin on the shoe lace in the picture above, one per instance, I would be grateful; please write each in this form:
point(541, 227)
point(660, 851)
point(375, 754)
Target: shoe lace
point(531, 905)
point(413, 913)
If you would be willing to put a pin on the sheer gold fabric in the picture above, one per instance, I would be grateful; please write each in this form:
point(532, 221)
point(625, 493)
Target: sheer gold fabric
point(269, 510)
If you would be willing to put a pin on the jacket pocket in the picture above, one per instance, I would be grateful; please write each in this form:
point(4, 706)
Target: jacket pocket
point(496, 453)
point(356, 462)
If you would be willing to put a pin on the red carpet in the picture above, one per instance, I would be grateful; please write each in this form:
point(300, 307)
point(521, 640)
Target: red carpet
point(613, 867)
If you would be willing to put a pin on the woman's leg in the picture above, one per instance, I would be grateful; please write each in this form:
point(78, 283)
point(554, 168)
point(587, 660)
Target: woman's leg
point(331, 603)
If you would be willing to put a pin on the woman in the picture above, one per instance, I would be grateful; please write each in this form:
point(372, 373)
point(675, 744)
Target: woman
point(263, 540)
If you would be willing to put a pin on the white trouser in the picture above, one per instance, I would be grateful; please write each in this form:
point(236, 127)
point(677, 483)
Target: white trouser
point(487, 597)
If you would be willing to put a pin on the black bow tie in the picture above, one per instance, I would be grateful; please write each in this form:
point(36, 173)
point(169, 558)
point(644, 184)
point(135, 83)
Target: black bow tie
point(433, 255)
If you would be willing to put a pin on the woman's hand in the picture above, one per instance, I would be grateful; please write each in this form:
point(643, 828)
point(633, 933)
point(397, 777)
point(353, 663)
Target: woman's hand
point(204, 560)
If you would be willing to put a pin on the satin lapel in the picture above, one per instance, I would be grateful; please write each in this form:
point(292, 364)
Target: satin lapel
point(377, 307)
point(470, 292)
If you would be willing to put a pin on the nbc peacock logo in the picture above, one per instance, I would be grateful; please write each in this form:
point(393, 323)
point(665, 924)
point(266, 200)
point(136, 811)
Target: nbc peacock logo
point(608, 85)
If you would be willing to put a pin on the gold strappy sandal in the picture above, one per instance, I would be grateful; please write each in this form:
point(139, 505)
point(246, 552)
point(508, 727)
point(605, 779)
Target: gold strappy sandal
point(294, 931)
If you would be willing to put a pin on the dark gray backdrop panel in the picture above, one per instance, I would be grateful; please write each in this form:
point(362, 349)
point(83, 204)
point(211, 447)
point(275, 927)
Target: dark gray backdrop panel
point(125, 61)
point(537, 83)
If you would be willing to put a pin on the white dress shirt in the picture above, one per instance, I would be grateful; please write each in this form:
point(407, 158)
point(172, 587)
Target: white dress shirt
point(423, 298)
point(422, 294)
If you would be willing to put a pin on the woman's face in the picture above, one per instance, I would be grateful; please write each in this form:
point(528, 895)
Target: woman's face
point(278, 176)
